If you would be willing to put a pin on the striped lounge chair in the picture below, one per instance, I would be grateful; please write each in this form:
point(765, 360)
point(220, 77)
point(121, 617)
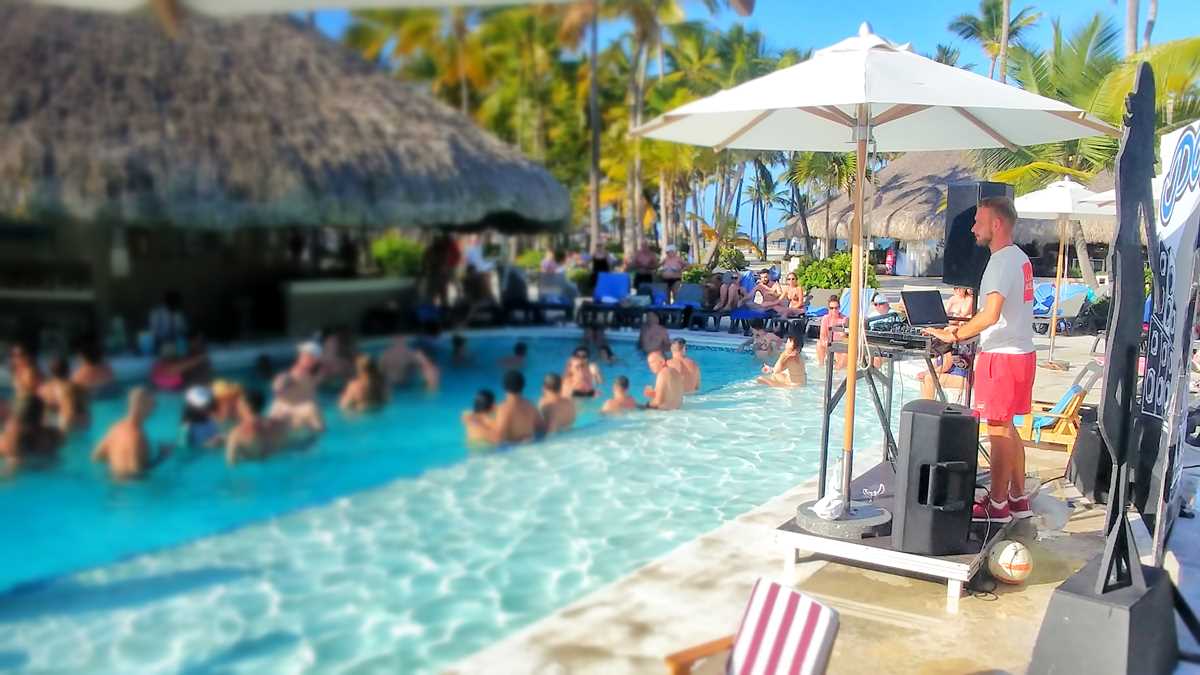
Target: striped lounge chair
point(782, 631)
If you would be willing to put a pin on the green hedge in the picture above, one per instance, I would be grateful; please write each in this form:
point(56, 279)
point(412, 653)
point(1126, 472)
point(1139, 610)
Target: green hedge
point(833, 272)
point(530, 259)
point(397, 255)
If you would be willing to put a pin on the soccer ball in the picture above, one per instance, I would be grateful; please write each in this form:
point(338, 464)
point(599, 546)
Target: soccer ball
point(1010, 562)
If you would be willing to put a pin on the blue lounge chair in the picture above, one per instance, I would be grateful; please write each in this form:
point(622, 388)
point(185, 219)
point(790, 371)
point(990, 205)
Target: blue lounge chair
point(605, 307)
point(1058, 423)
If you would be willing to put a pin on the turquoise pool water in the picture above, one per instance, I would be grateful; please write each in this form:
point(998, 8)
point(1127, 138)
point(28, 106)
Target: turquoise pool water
point(445, 555)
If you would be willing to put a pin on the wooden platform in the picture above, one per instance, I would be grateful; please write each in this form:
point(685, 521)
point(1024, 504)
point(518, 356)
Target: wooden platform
point(877, 552)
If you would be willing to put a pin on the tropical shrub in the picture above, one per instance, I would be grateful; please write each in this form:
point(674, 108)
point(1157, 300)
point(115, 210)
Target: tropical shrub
point(582, 278)
point(730, 258)
point(530, 260)
point(397, 255)
point(833, 272)
point(695, 274)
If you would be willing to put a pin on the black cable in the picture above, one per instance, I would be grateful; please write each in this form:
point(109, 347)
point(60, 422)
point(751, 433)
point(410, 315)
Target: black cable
point(1051, 480)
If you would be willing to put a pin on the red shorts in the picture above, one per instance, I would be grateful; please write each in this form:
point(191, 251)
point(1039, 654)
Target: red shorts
point(1003, 385)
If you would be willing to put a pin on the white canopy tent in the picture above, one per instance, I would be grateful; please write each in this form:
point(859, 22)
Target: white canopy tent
point(1061, 201)
point(865, 93)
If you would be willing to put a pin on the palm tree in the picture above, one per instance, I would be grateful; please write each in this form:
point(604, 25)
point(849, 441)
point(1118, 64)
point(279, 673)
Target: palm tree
point(828, 173)
point(1131, 27)
point(988, 28)
point(949, 55)
point(1005, 29)
point(1151, 17)
point(1176, 67)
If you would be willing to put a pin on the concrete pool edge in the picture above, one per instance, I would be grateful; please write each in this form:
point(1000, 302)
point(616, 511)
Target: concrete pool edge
point(689, 595)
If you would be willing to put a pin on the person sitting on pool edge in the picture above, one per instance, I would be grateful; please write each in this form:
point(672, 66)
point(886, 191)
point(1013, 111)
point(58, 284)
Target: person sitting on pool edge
point(789, 370)
point(367, 390)
point(684, 365)
point(557, 410)
point(621, 400)
point(125, 447)
point(517, 360)
point(296, 391)
point(667, 392)
point(517, 420)
point(653, 337)
point(258, 437)
point(480, 420)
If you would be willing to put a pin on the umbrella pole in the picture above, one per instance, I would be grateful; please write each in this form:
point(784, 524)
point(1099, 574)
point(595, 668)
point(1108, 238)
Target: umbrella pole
point(855, 318)
point(1059, 271)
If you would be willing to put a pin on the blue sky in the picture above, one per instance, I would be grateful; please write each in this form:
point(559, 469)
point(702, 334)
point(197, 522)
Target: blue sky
point(805, 24)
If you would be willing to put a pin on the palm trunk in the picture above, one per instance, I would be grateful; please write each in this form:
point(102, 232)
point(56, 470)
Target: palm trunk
point(697, 233)
point(1151, 17)
point(828, 241)
point(1005, 11)
point(1131, 26)
point(1081, 254)
point(594, 124)
point(992, 69)
point(638, 88)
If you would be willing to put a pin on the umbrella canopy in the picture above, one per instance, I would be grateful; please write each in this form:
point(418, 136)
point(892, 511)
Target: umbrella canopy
point(243, 7)
point(261, 121)
point(867, 93)
point(1061, 199)
point(914, 103)
point(1108, 198)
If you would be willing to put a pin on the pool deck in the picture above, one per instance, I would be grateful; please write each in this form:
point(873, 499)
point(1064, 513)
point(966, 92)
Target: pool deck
point(889, 623)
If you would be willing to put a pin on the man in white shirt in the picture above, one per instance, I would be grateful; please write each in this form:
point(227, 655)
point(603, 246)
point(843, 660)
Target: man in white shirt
point(1006, 363)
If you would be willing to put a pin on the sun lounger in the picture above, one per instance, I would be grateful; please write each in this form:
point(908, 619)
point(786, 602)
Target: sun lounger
point(782, 631)
point(1070, 313)
point(1058, 423)
point(603, 310)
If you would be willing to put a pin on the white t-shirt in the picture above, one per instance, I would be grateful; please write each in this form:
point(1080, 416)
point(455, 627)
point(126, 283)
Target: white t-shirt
point(1010, 274)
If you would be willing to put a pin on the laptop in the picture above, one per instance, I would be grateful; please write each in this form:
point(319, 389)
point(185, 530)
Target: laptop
point(925, 309)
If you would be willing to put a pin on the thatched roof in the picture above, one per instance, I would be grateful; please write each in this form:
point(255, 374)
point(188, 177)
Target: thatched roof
point(904, 202)
point(255, 121)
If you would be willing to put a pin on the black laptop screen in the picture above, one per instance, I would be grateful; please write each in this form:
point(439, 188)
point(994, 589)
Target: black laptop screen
point(925, 308)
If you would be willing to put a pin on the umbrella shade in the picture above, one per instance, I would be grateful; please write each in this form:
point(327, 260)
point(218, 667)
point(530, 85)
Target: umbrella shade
point(243, 7)
point(261, 121)
point(1061, 199)
point(1108, 198)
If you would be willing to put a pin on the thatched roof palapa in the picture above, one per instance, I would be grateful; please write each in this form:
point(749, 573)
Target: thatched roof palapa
point(904, 203)
point(255, 121)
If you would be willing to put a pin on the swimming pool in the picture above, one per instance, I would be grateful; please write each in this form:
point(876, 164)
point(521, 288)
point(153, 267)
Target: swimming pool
point(402, 578)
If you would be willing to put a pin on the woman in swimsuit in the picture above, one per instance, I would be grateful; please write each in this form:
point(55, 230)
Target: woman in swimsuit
point(581, 376)
point(960, 306)
point(66, 400)
point(368, 390)
point(952, 374)
point(793, 294)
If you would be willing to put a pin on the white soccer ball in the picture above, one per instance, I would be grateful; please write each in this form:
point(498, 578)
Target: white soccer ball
point(1010, 562)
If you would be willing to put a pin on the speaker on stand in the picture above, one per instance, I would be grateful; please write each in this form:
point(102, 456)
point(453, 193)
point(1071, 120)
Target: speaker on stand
point(963, 259)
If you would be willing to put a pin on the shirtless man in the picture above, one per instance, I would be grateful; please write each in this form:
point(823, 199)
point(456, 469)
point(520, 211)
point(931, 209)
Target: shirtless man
point(125, 447)
point(621, 400)
point(768, 294)
point(398, 362)
point(481, 418)
point(558, 410)
point(517, 360)
point(254, 437)
point(667, 392)
point(581, 377)
point(789, 369)
point(296, 391)
point(653, 337)
point(684, 365)
point(93, 373)
point(517, 420)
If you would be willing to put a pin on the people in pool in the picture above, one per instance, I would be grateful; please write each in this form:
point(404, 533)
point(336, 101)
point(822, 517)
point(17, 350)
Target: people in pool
point(93, 373)
point(789, 370)
point(197, 427)
point(254, 436)
point(517, 360)
point(399, 361)
point(605, 355)
point(338, 352)
point(621, 400)
point(557, 410)
point(226, 395)
point(517, 420)
point(653, 337)
point(480, 421)
point(25, 435)
point(171, 372)
point(581, 376)
point(667, 392)
point(368, 390)
point(65, 399)
point(459, 355)
point(125, 447)
point(687, 368)
point(295, 391)
point(765, 344)
point(833, 319)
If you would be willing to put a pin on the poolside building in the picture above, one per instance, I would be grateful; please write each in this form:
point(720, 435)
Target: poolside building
point(226, 163)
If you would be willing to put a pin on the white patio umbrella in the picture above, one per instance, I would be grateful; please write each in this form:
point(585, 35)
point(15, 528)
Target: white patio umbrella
point(243, 7)
point(1108, 198)
point(865, 92)
point(1060, 201)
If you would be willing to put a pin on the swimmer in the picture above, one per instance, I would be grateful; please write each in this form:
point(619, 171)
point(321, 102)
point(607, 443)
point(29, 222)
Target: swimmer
point(517, 360)
point(789, 369)
point(368, 390)
point(25, 435)
point(684, 365)
point(557, 410)
point(480, 420)
point(337, 356)
point(197, 428)
point(254, 437)
point(66, 399)
point(399, 361)
point(581, 376)
point(621, 400)
point(225, 396)
point(93, 373)
point(459, 355)
point(517, 420)
point(296, 391)
point(125, 448)
point(667, 392)
point(606, 355)
point(653, 337)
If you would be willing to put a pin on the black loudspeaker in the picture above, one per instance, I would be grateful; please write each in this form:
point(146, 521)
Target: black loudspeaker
point(963, 260)
point(1090, 466)
point(935, 478)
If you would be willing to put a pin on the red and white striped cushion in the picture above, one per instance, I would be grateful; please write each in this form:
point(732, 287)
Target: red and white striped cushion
point(782, 632)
